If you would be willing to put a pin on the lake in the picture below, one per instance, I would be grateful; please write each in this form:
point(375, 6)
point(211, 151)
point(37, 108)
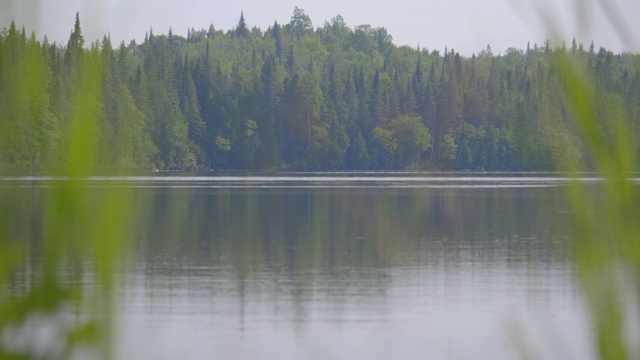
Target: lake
point(339, 265)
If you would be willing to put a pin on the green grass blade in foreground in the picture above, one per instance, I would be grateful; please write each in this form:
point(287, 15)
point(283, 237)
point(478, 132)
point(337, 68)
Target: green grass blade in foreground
point(606, 223)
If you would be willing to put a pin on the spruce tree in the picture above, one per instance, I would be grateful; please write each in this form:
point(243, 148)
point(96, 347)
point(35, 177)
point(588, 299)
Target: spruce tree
point(241, 28)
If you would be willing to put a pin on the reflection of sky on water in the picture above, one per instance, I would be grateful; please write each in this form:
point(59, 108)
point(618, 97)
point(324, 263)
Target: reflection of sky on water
point(358, 267)
point(343, 266)
point(432, 308)
point(327, 180)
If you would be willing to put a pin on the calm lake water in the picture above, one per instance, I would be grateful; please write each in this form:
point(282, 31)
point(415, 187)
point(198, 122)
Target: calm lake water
point(345, 266)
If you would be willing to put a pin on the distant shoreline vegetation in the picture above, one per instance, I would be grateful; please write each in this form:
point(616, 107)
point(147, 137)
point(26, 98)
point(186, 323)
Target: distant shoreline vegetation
point(298, 98)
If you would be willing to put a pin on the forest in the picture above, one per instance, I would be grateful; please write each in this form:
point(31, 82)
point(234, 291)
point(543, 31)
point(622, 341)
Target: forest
point(295, 97)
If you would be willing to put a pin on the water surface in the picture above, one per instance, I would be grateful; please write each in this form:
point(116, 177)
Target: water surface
point(344, 265)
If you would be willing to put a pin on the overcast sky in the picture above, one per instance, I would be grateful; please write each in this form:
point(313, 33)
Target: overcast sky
point(465, 25)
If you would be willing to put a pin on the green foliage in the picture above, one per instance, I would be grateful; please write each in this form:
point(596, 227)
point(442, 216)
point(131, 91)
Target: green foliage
point(341, 98)
point(69, 222)
point(412, 139)
point(300, 22)
point(606, 222)
point(241, 29)
point(132, 145)
point(385, 145)
point(223, 144)
point(449, 150)
point(315, 98)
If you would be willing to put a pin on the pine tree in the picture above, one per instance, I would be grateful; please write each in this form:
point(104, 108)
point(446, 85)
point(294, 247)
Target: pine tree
point(241, 29)
point(277, 37)
point(76, 41)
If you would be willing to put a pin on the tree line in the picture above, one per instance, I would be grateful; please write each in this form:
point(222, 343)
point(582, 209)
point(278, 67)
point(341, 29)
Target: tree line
point(302, 98)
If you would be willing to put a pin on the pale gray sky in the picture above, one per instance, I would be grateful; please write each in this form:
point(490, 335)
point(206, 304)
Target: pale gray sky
point(465, 25)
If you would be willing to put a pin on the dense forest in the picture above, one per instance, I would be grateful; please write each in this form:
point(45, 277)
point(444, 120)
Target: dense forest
point(300, 98)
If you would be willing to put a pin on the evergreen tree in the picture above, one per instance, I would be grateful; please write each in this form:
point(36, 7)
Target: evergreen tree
point(241, 29)
point(294, 98)
point(277, 36)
